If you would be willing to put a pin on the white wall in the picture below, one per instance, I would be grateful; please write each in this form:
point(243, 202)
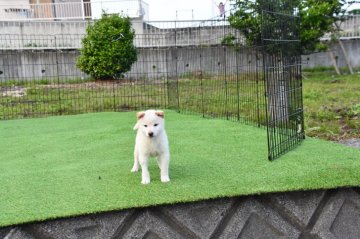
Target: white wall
point(14, 2)
point(127, 7)
point(11, 9)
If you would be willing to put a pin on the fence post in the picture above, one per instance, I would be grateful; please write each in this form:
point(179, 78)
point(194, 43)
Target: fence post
point(201, 85)
point(57, 74)
point(177, 80)
point(237, 85)
point(226, 86)
point(114, 94)
point(257, 75)
point(82, 10)
point(172, 85)
point(175, 36)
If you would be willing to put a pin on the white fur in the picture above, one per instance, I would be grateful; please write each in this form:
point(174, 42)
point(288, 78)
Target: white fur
point(151, 122)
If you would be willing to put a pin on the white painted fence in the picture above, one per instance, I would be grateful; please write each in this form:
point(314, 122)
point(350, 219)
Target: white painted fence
point(72, 10)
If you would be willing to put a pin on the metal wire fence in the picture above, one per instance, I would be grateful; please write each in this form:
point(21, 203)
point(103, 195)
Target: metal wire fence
point(283, 84)
point(42, 83)
point(216, 81)
point(188, 69)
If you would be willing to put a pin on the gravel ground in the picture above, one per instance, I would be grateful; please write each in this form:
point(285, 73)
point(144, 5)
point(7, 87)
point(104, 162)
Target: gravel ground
point(351, 142)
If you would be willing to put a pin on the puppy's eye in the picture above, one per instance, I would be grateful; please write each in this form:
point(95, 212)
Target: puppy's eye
point(155, 125)
point(145, 125)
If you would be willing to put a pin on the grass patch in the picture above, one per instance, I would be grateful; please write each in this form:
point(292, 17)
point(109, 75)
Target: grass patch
point(73, 165)
point(332, 105)
point(73, 97)
point(236, 99)
point(331, 102)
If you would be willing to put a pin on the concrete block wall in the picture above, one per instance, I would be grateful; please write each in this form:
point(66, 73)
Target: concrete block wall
point(68, 34)
point(158, 63)
point(352, 47)
point(37, 65)
point(313, 214)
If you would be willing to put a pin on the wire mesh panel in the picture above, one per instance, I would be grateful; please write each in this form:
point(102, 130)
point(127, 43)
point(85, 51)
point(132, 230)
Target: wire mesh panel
point(145, 85)
point(282, 69)
point(214, 80)
point(250, 80)
point(40, 81)
point(221, 81)
point(204, 69)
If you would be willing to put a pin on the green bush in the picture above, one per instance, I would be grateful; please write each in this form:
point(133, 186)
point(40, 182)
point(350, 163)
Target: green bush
point(108, 50)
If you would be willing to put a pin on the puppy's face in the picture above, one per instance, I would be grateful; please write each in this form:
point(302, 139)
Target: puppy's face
point(150, 122)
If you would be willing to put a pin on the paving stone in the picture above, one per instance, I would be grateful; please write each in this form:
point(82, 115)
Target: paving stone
point(201, 217)
point(340, 217)
point(18, 233)
point(257, 227)
point(95, 226)
point(347, 222)
point(300, 205)
point(311, 214)
point(252, 219)
point(5, 231)
point(146, 224)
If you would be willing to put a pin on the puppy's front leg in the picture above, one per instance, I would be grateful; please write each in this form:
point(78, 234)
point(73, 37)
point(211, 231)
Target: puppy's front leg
point(135, 168)
point(145, 174)
point(163, 161)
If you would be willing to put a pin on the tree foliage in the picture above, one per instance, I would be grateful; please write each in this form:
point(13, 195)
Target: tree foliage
point(107, 49)
point(316, 18)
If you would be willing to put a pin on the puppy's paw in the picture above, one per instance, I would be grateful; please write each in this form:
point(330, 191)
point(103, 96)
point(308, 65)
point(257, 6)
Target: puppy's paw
point(135, 169)
point(145, 181)
point(165, 179)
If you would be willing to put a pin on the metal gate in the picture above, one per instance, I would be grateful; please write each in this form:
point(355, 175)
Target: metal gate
point(282, 72)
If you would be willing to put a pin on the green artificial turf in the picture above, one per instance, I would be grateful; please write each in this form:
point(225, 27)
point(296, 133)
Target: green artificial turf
point(72, 165)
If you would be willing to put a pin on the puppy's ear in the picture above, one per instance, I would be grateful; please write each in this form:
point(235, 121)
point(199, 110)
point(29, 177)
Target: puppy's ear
point(160, 113)
point(140, 114)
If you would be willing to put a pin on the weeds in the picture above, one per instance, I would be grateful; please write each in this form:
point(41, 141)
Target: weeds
point(331, 102)
point(332, 105)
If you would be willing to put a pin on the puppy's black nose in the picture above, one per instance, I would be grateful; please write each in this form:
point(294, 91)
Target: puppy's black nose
point(151, 134)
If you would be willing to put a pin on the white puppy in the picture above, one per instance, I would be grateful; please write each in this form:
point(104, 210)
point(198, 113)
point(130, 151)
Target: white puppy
point(151, 140)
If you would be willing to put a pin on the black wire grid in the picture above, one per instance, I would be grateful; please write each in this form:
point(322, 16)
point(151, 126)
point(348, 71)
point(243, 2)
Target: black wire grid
point(258, 85)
